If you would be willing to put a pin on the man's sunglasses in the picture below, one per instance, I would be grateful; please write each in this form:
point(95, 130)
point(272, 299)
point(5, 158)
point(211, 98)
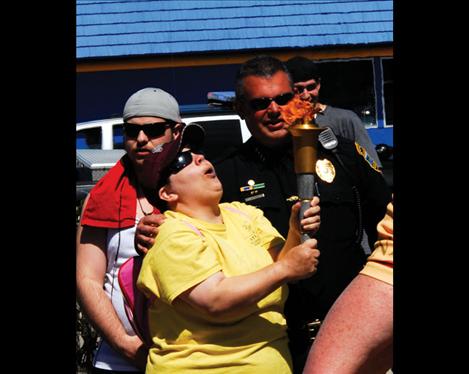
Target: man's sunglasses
point(299, 88)
point(264, 102)
point(152, 130)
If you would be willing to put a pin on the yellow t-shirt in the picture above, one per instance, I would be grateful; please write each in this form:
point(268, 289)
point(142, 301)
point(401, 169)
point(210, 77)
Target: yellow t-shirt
point(381, 261)
point(186, 340)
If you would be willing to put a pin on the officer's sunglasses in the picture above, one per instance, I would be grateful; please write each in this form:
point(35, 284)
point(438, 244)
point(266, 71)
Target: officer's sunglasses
point(264, 102)
point(152, 130)
point(299, 88)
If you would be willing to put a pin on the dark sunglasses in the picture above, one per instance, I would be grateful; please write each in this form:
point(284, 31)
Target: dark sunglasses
point(152, 130)
point(264, 102)
point(299, 88)
point(182, 160)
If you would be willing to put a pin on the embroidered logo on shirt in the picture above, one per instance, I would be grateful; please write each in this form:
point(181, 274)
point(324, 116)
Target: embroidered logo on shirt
point(362, 151)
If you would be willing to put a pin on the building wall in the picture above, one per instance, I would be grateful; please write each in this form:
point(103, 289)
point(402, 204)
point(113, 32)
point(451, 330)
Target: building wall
point(102, 94)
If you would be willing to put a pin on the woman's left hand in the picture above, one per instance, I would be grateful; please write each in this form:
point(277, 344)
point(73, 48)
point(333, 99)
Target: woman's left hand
point(310, 222)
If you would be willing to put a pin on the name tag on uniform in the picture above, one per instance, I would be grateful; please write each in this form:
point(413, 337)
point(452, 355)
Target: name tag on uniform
point(253, 197)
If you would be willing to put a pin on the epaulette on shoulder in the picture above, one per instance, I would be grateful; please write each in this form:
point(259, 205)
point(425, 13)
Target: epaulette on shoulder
point(362, 152)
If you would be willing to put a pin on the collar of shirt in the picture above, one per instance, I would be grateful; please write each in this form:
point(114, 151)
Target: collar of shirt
point(271, 155)
point(322, 108)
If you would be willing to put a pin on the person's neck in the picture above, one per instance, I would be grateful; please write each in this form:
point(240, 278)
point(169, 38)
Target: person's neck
point(207, 212)
point(321, 107)
point(145, 206)
point(138, 171)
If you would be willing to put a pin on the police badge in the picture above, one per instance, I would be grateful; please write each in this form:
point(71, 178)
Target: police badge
point(325, 170)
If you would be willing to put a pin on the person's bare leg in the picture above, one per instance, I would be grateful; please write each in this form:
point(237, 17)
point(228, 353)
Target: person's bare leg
point(357, 333)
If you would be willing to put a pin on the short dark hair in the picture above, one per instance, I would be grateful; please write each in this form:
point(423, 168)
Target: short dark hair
point(303, 69)
point(260, 66)
point(163, 180)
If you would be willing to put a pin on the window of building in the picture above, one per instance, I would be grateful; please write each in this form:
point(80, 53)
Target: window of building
point(388, 79)
point(348, 84)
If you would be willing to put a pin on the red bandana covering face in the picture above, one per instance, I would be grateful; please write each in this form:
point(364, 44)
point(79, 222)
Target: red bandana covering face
point(113, 201)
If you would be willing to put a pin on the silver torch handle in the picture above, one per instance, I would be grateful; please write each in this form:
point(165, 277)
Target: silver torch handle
point(305, 184)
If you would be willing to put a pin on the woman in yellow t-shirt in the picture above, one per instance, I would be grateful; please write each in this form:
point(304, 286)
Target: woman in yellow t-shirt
point(218, 274)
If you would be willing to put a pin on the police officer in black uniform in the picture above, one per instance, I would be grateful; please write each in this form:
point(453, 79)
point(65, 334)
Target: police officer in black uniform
point(352, 191)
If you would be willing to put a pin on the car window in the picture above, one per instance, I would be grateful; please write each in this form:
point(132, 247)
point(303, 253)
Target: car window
point(220, 135)
point(118, 137)
point(89, 138)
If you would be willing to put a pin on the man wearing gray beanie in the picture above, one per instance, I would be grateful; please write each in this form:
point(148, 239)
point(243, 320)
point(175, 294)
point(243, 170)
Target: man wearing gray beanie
point(153, 133)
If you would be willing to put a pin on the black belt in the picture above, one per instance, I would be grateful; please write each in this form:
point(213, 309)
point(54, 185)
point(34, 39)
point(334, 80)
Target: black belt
point(306, 331)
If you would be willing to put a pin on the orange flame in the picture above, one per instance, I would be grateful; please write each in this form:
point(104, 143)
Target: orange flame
point(298, 111)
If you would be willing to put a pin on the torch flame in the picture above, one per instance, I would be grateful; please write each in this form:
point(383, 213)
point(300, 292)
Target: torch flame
point(298, 111)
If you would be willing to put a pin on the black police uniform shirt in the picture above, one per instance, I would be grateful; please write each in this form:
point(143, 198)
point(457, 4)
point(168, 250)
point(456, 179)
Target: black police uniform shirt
point(265, 178)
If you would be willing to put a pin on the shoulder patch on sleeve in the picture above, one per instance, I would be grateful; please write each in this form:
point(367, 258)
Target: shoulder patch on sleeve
point(362, 152)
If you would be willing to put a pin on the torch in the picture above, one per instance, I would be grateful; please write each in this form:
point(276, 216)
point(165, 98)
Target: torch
point(298, 115)
point(305, 141)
